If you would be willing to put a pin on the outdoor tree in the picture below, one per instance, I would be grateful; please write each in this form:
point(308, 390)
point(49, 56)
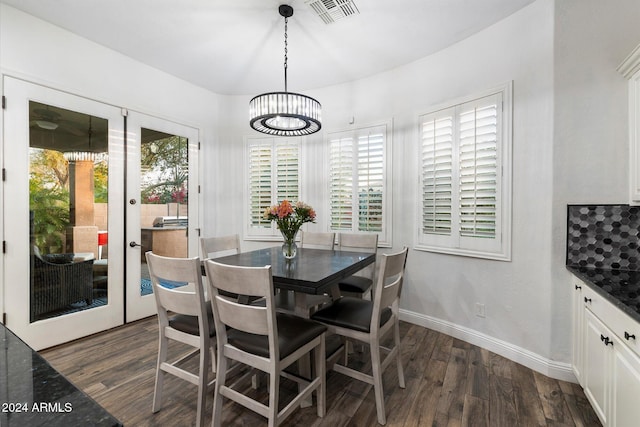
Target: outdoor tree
point(165, 170)
point(101, 182)
point(50, 167)
point(48, 198)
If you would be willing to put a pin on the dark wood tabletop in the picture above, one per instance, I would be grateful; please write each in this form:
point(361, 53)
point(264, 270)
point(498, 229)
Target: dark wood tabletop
point(312, 271)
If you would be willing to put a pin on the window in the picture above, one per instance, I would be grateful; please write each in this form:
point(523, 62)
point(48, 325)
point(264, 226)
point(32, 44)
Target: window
point(465, 178)
point(358, 171)
point(273, 175)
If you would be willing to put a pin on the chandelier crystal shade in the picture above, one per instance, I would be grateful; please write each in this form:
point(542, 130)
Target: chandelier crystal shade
point(285, 113)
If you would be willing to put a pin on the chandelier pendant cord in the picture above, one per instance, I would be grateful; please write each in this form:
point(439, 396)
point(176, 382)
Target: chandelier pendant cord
point(286, 20)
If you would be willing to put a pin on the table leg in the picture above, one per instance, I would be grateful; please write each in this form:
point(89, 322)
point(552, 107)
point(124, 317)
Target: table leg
point(334, 291)
point(301, 308)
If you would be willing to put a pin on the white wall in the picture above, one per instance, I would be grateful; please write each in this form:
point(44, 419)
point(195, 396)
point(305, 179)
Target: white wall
point(590, 155)
point(441, 290)
point(569, 146)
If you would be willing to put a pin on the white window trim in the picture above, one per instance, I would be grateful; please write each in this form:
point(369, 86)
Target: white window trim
point(385, 236)
point(503, 253)
point(272, 233)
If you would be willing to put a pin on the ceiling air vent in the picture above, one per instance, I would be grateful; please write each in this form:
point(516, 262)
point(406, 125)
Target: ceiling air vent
point(332, 10)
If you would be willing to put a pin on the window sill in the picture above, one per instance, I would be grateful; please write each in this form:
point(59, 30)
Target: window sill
point(465, 252)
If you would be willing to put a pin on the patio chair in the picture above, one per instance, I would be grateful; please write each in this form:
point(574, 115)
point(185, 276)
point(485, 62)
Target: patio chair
point(58, 281)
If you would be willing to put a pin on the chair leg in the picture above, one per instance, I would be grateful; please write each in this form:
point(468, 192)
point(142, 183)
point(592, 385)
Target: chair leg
point(221, 378)
point(255, 380)
point(377, 381)
point(321, 372)
point(213, 359)
point(274, 394)
point(346, 351)
point(162, 357)
point(203, 379)
point(396, 333)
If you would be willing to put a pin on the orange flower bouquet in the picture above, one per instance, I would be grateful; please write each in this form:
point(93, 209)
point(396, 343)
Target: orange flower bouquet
point(289, 218)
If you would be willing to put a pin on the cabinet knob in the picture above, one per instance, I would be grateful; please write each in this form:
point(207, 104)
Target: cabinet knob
point(629, 336)
point(587, 299)
point(605, 340)
point(578, 287)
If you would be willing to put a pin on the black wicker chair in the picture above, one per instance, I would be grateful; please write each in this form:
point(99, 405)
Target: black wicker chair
point(58, 282)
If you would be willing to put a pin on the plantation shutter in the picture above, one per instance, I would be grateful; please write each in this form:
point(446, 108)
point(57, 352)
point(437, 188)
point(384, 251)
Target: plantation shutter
point(478, 123)
point(287, 177)
point(465, 178)
point(259, 183)
point(437, 172)
point(370, 169)
point(341, 156)
point(358, 181)
point(274, 175)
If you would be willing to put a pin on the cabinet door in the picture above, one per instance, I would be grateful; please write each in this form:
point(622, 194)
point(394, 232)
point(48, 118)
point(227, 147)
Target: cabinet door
point(634, 138)
point(625, 387)
point(577, 332)
point(630, 68)
point(597, 364)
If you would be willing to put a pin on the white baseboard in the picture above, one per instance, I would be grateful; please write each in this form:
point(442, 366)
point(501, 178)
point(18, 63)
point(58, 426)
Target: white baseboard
point(550, 368)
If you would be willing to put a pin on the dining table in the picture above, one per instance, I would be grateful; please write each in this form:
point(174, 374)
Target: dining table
point(311, 272)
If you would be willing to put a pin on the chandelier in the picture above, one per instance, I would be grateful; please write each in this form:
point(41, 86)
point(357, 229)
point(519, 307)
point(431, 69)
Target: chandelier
point(284, 113)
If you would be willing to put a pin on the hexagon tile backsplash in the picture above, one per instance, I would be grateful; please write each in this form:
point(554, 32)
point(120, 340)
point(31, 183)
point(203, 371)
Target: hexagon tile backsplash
point(604, 236)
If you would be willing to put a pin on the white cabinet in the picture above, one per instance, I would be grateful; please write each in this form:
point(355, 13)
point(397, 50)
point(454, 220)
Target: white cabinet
point(606, 357)
point(630, 68)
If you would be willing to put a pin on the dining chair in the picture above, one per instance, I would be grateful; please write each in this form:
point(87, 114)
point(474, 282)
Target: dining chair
point(257, 336)
point(368, 322)
point(217, 246)
point(359, 284)
point(183, 316)
point(315, 240)
point(220, 245)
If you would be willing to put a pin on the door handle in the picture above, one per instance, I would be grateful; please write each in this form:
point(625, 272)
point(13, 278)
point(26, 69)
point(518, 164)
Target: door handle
point(134, 244)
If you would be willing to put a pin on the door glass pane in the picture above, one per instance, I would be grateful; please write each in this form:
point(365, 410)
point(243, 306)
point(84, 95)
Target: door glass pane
point(164, 217)
point(68, 185)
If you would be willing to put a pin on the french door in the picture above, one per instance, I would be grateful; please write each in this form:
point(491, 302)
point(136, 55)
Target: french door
point(57, 286)
point(85, 184)
point(161, 201)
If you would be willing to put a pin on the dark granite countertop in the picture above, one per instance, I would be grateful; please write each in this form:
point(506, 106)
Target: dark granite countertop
point(620, 287)
point(32, 393)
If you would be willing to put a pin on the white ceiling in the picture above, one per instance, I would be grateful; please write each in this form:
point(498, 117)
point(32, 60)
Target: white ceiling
point(237, 46)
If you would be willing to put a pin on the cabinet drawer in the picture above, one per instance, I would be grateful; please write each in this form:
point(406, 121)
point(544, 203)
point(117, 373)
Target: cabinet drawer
point(626, 328)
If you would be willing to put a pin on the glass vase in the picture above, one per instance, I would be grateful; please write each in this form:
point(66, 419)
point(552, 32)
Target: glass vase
point(289, 247)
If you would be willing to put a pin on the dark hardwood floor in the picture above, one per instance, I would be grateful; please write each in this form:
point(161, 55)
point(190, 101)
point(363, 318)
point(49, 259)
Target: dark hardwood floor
point(448, 383)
